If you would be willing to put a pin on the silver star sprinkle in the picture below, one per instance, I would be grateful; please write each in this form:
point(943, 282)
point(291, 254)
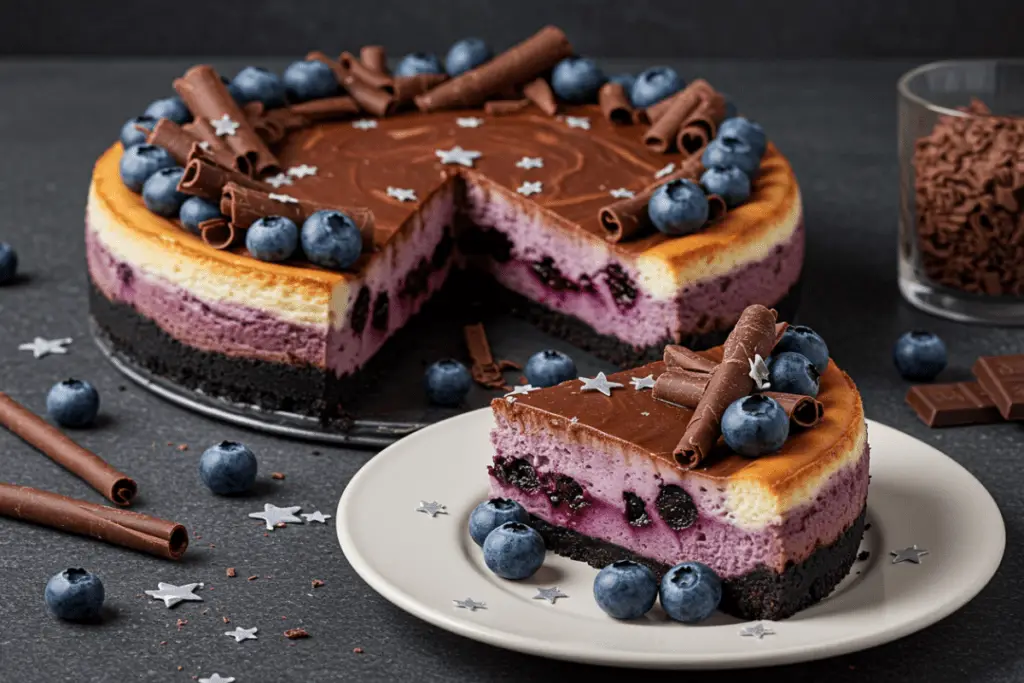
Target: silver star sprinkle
point(599, 383)
point(433, 508)
point(642, 382)
point(645, 414)
point(302, 171)
point(527, 188)
point(172, 595)
point(757, 630)
point(240, 634)
point(522, 389)
point(665, 171)
point(279, 180)
point(578, 122)
point(44, 347)
point(316, 517)
point(574, 420)
point(469, 122)
point(526, 163)
point(510, 399)
point(364, 124)
point(217, 678)
point(470, 604)
point(622, 193)
point(223, 126)
point(274, 515)
point(402, 194)
point(912, 554)
point(457, 155)
point(549, 594)
point(204, 145)
point(283, 198)
point(759, 372)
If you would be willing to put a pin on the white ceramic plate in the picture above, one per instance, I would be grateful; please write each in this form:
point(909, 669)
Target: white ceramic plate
point(422, 564)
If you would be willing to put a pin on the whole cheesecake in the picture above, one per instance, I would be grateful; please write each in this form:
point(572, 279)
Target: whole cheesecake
point(514, 195)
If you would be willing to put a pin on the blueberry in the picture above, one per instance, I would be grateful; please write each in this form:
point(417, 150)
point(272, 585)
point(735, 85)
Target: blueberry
point(330, 239)
point(730, 106)
point(467, 54)
point(73, 403)
point(447, 382)
point(169, 108)
point(75, 595)
point(194, 211)
point(255, 84)
point(8, 263)
point(731, 151)
point(160, 192)
point(131, 135)
point(690, 592)
point(490, 514)
point(755, 425)
point(548, 368)
point(577, 80)
point(309, 80)
point(139, 162)
point(746, 130)
point(625, 80)
point(654, 85)
point(679, 207)
point(728, 182)
point(793, 373)
point(272, 238)
point(805, 341)
point(919, 356)
point(514, 551)
point(418, 63)
point(625, 590)
point(228, 467)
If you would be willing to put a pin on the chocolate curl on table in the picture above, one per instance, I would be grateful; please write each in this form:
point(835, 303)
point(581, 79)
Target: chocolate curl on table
point(539, 92)
point(505, 107)
point(681, 107)
point(702, 124)
point(113, 525)
point(615, 104)
point(205, 179)
point(373, 78)
point(374, 58)
point(172, 137)
point(485, 371)
point(519, 64)
point(628, 218)
point(373, 100)
point(208, 98)
point(116, 486)
point(408, 87)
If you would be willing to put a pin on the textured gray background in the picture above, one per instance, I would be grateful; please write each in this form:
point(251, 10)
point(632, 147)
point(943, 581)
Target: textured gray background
point(836, 122)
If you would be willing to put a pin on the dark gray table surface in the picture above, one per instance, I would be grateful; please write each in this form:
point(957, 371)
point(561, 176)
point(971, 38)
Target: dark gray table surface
point(835, 121)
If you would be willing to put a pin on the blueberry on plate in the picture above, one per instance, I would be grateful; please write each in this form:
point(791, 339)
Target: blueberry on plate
point(919, 355)
point(418, 63)
point(548, 368)
point(73, 403)
point(465, 55)
point(130, 133)
point(577, 80)
point(331, 239)
point(309, 80)
point(755, 425)
point(447, 382)
point(272, 238)
point(172, 108)
point(194, 211)
point(679, 207)
point(731, 151)
point(690, 592)
point(8, 263)
point(75, 595)
point(490, 514)
point(514, 551)
point(228, 468)
point(625, 80)
point(728, 182)
point(807, 342)
point(256, 84)
point(746, 130)
point(793, 373)
point(160, 192)
point(139, 162)
point(625, 589)
point(654, 85)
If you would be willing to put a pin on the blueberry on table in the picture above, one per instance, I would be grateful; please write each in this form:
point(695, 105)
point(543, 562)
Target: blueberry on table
point(577, 80)
point(256, 84)
point(679, 207)
point(654, 85)
point(139, 162)
point(731, 151)
point(514, 551)
point(490, 514)
point(195, 210)
point(690, 592)
point(625, 590)
point(172, 108)
point(746, 130)
point(755, 425)
point(228, 468)
point(8, 263)
point(793, 373)
point(73, 403)
point(728, 182)
point(130, 133)
point(309, 80)
point(805, 341)
point(75, 595)
point(465, 55)
point(272, 238)
point(447, 382)
point(331, 239)
point(625, 80)
point(919, 355)
point(548, 368)
point(160, 192)
point(418, 63)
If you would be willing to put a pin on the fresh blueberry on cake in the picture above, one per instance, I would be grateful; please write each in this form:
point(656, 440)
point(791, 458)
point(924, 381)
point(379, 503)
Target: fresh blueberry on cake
point(490, 514)
point(755, 425)
point(625, 80)
point(679, 207)
point(577, 80)
point(655, 84)
point(308, 80)
point(73, 403)
point(919, 355)
point(272, 238)
point(728, 182)
point(75, 595)
point(447, 382)
point(228, 468)
point(331, 239)
point(625, 589)
point(548, 368)
point(130, 133)
point(172, 108)
point(731, 151)
point(805, 341)
point(465, 55)
point(793, 373)
point(194, 211)
point(160, 192)
point(139, 162)
point(8, 263)
point(256, 84)
point(514, 551)
point(417, 63)
point(690, 592)
point(750, 132)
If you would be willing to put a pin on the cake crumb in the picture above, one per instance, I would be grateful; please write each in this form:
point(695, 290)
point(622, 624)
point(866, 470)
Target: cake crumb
point(277, 475)
point(295, 633)
point(317, 583)
point(170, 443)
point(357, 650)
point(181, 623)
point(863, 555)
point(867, 527)
point(182, 447)
point(163, 642)
point(181, 668)
point(315, 452)
point(121, 387)
point(252, 578)
point(212, 545)
point(279, 525)
point(225, 620)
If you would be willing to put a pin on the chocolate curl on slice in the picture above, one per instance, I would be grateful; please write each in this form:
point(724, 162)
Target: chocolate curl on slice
point(716, 208)
point(517, 65)
point(208, 98)
point(803, 411)
point(682, 358)
point(539, 92)
point(314, 111)
point(615, 105)
point(681, 387)
point(205, 179)
point(373, 78)
point(408, 87)
point(373, 100)
point(780, 329)
point(113, 525)
point(374, 58)
point(218, 233)
point(753, 334)
point(177, 141)
point(485, 371)
point(661, 136)
point(116, 486)
point(702, 123)
point(505, 107)
point(628, 218)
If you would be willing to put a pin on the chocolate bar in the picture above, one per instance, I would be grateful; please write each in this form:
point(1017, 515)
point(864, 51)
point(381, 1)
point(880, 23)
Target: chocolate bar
point(953, 405)
point(1003, 378)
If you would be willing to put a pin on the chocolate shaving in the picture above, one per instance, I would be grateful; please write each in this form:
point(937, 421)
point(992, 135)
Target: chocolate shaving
point(615, 104)
point(216, 148)
point(218, 233)
point(685, 107)
point(627, 218)
point(681, 387)
point(373, 100)
point(716, 208)
point(374, 58)
point(173, 138)
point(485, 371)
point(325, 109)
point(518, 65)
point(684, 359)
point(372, 77)
point(408, 87)
point(505, 107)
point(803, 411)
point(539, 92)
point(205, 179)
point(702, 124)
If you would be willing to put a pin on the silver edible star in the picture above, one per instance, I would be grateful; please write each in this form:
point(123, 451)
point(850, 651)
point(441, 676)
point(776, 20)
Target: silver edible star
point(469, 122)
point(912, 554)
point(642, 382)
point(204, 145)
point(316, 517)
point(527, 188)
point(757, 630)
point(470, 604)
point(522, 389)
point(665, 171)
point(574, 420)
point(759, 372)
point(240, 634)
point(364, 124)
point(526, 163)
point(402, 194)
point(172, 595)
point(283, 198)
point(549, 594)
point(599, 383)
point(578, 122)
point(217, 678)
point(302, 170)
point(44, 347)
point(457, 155)
point(622, 193)
point(224, 126)
point(279, 180)
point(274, 515)
point(433, 508)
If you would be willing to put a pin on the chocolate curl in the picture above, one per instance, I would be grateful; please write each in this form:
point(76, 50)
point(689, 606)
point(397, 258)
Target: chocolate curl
point(121, 527)
point(218, 233)
point(205, 179)
point(408, 87)
point(485, 370)
point(215, 147)
point(682, 358)
point(505, 107)
point(539, 92)
point(373, 78)
point(374, 58)
point(753, 334)
point(803, 411)
point(177, 141)
point(681, 387)
point(661, 136)
point(702, 124)
point(716, 208)
point(628, 218)
point(314, 111)
point(615, 105)
point(270, 129)
point(519, 64)
point(373, 100)
point(208, 98)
